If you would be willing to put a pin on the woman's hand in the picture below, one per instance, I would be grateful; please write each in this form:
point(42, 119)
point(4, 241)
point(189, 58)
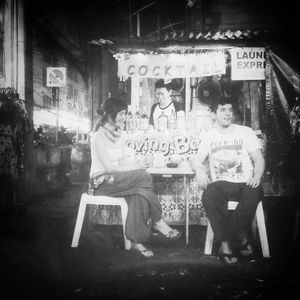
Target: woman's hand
point(202, 179)
point(144, 164)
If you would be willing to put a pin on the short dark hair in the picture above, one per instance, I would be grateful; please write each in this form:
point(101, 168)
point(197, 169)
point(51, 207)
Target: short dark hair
point(160, 83)
point(221, 100)
point(110, 108)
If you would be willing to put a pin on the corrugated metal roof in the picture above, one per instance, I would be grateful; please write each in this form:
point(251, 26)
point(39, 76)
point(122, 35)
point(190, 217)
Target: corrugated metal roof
point(181, 36)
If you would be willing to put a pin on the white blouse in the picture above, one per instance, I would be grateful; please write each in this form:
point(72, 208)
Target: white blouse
point(114, 150)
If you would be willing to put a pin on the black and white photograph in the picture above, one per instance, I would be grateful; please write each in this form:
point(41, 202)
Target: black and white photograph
point(149, 149)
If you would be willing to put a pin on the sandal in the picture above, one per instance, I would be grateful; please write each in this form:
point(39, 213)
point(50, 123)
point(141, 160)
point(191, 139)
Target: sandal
point(246, 250)
point(228, 259)
point(172, 234)
point(141, 250)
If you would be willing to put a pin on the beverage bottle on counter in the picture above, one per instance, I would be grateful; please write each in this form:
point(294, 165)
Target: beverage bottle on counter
point(173, 121)
point(163, 122)
point(181, 120)
point(137, 119)
point(144, 119)
point(129, 120)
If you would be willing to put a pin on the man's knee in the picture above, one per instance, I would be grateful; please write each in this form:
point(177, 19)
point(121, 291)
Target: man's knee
point(255, 194)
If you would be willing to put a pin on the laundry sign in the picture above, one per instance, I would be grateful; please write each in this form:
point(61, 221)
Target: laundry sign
point(172, 65)
point(248, 63)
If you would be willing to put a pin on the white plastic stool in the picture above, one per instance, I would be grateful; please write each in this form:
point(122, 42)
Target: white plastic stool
point(99, 200)
point(260, 218)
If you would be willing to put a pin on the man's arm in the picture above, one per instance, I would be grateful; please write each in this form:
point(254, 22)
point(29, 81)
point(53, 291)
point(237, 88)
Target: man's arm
point(151, 121)
point(259, 168)
point(197, 166)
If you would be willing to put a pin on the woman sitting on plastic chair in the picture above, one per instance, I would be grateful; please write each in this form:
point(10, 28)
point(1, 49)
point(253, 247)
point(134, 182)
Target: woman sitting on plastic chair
point(112, 176)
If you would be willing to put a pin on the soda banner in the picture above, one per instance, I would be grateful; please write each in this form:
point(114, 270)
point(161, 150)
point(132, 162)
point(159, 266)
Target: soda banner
point(163, 147)
point(178, 144)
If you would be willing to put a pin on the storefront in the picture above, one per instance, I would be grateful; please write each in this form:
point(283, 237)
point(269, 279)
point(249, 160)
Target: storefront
point(197, 73)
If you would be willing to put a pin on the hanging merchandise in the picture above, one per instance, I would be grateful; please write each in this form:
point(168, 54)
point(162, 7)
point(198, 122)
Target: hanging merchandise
point(295, 118)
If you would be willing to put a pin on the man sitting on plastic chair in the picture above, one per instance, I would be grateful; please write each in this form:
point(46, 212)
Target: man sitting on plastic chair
point(236, 165)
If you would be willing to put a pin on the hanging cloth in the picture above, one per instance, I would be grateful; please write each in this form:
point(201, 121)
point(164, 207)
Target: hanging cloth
point(291, 75)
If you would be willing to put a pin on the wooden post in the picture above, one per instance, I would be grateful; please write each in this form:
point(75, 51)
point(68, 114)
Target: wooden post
point(187, 94)
point(135, 92)
point(14, 46)
point(254, 104)
point(130, 19)
point(138, 32)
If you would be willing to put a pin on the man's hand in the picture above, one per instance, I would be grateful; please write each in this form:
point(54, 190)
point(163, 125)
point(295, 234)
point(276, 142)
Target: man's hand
point(254, 182)
point(202, 179)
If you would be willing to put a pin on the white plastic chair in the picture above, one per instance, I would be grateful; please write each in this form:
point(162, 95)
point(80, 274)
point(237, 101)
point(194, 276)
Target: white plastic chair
point(260, 218)
point(99, 200)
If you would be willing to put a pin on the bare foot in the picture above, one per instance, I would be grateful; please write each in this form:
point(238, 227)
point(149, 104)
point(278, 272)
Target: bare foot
point(162, 227)
point(246, 249)
point(226, 255)
point(142, 250)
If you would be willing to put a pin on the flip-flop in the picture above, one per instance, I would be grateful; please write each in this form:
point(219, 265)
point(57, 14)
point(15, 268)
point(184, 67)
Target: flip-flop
point(147, 253)
point(244, 254)
point(172, 234)
point(246, 250)
point(227, 259)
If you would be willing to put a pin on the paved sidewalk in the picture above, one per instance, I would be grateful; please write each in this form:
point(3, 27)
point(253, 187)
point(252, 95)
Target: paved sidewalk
point(37, 261)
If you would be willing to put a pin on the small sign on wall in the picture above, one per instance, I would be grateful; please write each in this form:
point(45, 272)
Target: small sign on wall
point(248, 63)
point(56, 76)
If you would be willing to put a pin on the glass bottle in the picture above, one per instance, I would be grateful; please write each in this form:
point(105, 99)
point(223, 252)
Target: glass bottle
point(144, 119)
point(137, 118)
point(173, 121)
point(129, 120)
point(181, 120)
point(163, 122)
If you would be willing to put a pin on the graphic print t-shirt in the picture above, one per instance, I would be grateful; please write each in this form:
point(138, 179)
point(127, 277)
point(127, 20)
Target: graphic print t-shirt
point(229, 153)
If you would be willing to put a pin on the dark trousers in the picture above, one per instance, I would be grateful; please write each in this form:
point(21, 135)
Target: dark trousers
point(226, 226)
point(143, 205)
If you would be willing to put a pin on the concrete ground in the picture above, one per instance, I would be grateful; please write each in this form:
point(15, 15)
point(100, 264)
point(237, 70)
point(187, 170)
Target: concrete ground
point(37, 261)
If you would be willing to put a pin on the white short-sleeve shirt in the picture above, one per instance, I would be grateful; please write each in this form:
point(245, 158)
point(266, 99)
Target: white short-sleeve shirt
point(229, 153)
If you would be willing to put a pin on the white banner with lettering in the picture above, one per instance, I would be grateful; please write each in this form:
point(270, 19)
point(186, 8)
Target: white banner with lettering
point(248, 63)
point(171, 65)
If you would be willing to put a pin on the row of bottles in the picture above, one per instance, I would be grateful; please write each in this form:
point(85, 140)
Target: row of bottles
point(165, 123)
point(135, 121)
point(194, 121)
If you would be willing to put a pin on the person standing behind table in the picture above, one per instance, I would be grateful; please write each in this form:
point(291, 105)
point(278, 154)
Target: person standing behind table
point(111, 175)
point(236, 166)
point(165, 104)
